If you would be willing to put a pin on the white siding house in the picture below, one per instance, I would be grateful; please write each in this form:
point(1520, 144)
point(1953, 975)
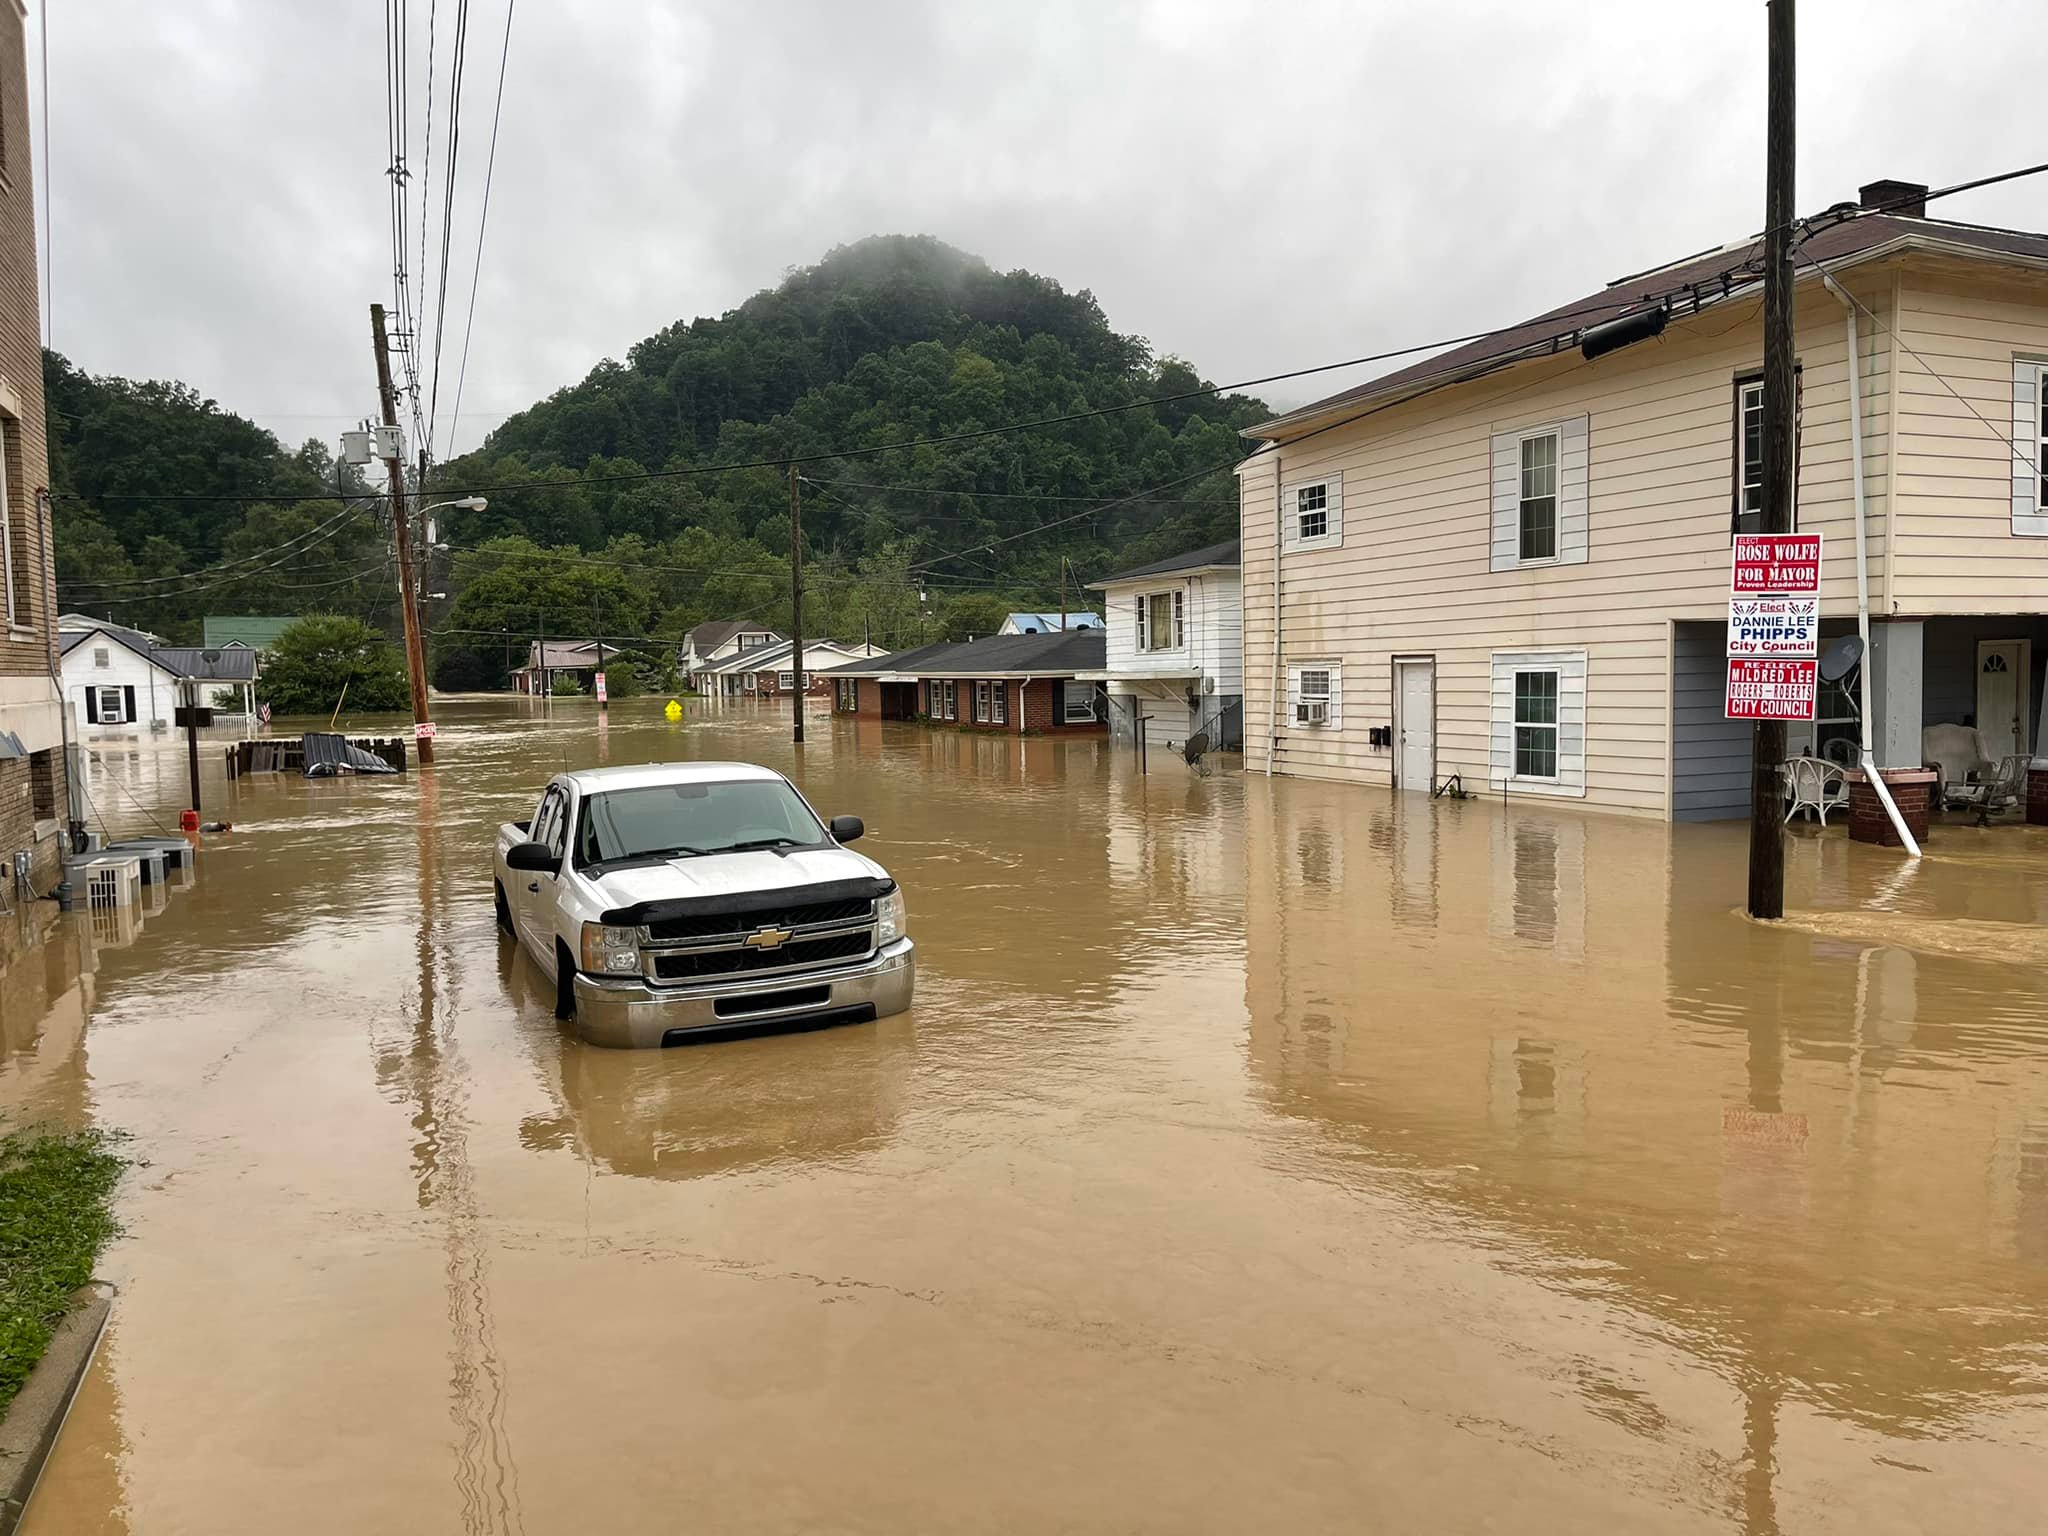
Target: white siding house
point(1175, 649)
point(113, 685)
point(1510, 562)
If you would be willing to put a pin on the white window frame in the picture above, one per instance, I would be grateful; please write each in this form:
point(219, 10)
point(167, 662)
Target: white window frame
point(2029, 446)
point(17, 615)
point(981, 704)
point(1523, 498)
point(1291, 496)
point(1572, 667)
point(1555, 724)
point(102, 656)
point(1149, 640)
point(999, 703)
point(118, 714)
point(1084, 694)
point(785, 681)
point(1744, 383)
point(1332, 675)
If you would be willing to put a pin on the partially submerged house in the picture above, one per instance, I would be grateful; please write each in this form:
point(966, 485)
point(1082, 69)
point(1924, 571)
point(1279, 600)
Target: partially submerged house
point(1510, 562)
point(1175, 655)
point(1034, 683)
point(715, 642)
point(563, 666)
point(766, 670)
point(120, 682)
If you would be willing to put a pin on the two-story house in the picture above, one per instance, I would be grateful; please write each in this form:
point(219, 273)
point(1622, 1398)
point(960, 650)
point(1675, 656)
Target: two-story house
point(719, 640)
point(32, 724)
point(1175, 655)
point(1510, 562)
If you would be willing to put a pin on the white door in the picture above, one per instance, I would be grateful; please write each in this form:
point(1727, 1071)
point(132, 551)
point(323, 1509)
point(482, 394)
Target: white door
point(1415, 727)
point(2002, 694)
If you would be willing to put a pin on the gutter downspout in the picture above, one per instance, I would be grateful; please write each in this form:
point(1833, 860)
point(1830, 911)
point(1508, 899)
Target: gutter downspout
point(1868, 757)
point(1273, 694)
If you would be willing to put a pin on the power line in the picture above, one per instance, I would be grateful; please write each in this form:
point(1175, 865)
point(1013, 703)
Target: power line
point(318, 534)
point(459, 61)
point(483, 219)
point(931, 490)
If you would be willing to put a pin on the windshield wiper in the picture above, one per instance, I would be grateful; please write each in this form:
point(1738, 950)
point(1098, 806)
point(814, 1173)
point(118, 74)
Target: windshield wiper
point(752, 844)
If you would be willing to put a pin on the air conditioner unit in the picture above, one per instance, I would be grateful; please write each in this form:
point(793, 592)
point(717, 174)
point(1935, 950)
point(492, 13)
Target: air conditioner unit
point(1312, 712)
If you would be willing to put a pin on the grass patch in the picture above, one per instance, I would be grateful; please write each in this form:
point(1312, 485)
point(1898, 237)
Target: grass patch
point(56, 1216)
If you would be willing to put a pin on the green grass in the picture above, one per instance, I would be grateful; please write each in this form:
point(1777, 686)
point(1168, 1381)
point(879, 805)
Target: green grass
point(56, 1215)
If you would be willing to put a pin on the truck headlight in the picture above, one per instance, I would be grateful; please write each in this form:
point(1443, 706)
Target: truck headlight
point(611, 951)
point(890, 919)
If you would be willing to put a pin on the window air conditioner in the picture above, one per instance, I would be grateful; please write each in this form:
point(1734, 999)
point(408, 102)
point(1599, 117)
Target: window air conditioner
point(1312, 712)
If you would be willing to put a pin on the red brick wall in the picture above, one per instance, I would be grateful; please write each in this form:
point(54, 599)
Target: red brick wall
point(1038, 714)
point(21, 366)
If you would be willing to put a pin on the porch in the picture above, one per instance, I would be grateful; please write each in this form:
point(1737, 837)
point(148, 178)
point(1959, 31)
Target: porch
point(1961, 693)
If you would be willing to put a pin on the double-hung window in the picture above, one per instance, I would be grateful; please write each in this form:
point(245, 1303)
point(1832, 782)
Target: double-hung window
point(1536, 519)
point(952, 688)
point(17, 555)
point(999, 703)
point(1079, 706)
point(1161, 621)
point(1536, 724)
point(1749, 452)
point(110, 710)
point(785, 680)
point(1313, 511)
point(981, 705)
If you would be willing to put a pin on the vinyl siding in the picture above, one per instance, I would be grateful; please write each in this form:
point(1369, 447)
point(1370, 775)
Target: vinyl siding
point(1955, 550)
point(1413, 575)
point(1212, 628)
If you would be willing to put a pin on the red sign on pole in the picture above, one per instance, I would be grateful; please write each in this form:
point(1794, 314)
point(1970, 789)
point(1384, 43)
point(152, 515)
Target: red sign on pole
point(1787, 564)
point(1770, 690)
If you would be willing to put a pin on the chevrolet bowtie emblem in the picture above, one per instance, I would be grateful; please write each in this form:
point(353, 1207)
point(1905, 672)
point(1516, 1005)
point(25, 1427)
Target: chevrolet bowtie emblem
point(769, 938)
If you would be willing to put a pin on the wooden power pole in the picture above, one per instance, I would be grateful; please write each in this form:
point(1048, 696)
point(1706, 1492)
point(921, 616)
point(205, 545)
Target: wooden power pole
point(401, 526)
point(796, 601)
point(1766, 791)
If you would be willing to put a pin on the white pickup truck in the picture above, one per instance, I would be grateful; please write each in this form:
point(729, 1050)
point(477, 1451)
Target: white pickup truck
point(680, 897)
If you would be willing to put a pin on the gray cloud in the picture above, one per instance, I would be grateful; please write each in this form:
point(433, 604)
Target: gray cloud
point(1252, 187)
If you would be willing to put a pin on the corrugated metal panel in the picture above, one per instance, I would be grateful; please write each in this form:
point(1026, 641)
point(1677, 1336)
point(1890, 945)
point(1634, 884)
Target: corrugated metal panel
point(329, 754)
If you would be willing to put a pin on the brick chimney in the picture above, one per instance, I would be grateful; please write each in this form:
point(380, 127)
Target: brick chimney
point(1907, 198)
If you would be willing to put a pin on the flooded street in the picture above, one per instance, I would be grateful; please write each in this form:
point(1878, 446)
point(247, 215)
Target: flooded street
point(1259, 1155)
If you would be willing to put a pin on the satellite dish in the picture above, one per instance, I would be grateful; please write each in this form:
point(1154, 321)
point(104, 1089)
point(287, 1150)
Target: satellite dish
point(209, 657)
point(1841, 658)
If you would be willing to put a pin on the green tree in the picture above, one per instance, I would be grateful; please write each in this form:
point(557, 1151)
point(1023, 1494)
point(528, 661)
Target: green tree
point(317, 657)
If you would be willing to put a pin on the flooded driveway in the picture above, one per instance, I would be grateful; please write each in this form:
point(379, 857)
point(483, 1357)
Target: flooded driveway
point(1258, 1156)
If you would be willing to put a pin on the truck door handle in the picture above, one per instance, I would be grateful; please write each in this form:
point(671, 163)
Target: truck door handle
point(533, 885)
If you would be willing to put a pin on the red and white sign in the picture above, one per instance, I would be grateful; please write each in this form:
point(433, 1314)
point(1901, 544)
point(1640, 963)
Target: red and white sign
point(1774, 626)
point(1781, 563)
point(601, 695)
point(1770, 690)
point(423, 730)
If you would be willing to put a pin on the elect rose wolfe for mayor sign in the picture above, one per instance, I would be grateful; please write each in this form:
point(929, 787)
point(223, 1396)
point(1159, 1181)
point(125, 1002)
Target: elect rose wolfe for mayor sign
point(1774, 626)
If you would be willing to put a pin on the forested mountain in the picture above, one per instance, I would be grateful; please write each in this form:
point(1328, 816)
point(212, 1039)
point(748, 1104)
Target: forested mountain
point(132, 468)
point(608, 512)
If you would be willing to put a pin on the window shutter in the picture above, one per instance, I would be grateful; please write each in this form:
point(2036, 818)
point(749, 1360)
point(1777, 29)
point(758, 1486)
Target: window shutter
point(1572, 517)
point(1180, 629)
point(1506, 481)
point(2029, 517)
point(92, 706)
point(1059, 695)
point(127, 701)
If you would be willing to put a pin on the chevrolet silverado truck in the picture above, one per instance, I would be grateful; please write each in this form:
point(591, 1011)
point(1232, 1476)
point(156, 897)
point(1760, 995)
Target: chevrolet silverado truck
point(681, 897)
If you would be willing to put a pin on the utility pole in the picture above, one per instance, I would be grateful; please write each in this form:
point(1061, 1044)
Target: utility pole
point(401, 527)
point(192, 738)
point(540, 622)
point(603, 702)
point(1767, 756)
point(1063, 594)
point(796, 601)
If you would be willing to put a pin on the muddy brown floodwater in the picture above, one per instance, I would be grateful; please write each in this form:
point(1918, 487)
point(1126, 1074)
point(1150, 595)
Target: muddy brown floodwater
point(1258, 1156)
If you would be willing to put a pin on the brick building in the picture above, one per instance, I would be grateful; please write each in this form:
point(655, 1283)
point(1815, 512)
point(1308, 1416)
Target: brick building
point(32, 734)
point(1020, 684)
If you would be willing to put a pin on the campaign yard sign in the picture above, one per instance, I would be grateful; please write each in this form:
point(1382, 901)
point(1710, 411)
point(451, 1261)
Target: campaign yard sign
point(1773, 626)
point(1784, 564)
point(1770, 690)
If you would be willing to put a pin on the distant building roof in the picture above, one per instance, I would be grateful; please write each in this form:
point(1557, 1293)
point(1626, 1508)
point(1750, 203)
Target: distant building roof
point(230, 664)
point(1058, 654)
point(1224, 556)
point(71, 621)
point(713, 633)
point(255, 631)
point(761, 657)
point(1042, 623)
point(564, 655)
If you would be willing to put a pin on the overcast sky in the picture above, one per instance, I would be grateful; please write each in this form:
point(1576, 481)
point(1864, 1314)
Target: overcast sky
point(1254, 186)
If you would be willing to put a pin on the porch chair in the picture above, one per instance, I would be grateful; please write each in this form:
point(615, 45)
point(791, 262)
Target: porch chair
point(1815, 784)
point(1988, 796)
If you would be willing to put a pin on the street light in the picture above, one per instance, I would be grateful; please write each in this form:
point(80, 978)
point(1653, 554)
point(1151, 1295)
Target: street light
point(461, 504)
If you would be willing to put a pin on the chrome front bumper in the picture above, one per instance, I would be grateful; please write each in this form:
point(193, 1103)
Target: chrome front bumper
point(628, 1012)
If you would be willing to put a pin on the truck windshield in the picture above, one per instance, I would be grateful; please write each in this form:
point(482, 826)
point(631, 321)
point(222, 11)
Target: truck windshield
point(686, 819)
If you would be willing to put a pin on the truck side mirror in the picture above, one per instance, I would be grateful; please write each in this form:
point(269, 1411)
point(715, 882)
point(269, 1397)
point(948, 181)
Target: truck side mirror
point(846, 829)
point(535, 857)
